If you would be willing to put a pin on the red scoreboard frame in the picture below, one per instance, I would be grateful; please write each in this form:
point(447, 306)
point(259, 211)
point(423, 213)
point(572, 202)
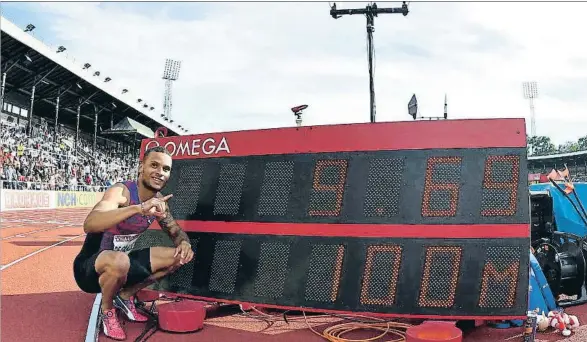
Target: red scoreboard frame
point(357, 218)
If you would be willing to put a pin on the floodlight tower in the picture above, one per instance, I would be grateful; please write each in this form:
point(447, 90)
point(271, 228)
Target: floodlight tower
point(531, 93)
point(170, 74)
point(370, 12)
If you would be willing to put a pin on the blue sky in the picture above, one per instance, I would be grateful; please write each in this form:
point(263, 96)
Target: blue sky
point(245, 64)
point(23, 13)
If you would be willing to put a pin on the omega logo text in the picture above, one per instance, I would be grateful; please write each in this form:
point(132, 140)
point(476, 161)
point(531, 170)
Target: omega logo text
point(193, 147)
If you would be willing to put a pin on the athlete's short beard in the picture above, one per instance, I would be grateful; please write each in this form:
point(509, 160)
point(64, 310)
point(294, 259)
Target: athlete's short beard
point(148, 186)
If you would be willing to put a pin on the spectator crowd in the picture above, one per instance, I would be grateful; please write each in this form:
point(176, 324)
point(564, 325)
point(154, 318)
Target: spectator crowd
point(46, 161)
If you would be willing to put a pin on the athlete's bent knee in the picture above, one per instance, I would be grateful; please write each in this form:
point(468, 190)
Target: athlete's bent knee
point(119, 264)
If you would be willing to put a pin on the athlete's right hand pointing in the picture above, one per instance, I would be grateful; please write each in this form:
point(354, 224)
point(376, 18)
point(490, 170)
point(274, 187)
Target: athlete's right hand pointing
point(155, 206)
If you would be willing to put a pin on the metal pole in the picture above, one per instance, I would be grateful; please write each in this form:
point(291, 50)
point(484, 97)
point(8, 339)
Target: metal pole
point(31, 111)
point(77, 129)
point(370, 11)
point(56, 114)
point(530, 93)
point(2, 91)
point(532, 118)
point(95, 127)
point(370, 29)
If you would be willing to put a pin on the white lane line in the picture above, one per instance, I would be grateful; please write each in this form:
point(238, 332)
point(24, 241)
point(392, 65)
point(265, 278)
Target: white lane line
point(94, 321)
point(29, 233)
point(39, 251)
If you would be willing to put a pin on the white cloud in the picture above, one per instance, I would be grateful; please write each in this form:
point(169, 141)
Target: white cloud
point(245, 64)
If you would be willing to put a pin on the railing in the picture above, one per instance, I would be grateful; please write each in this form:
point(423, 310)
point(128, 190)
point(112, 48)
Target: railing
point(22, 185)
point(36, 151)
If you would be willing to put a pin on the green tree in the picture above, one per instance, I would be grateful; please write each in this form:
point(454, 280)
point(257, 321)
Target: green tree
point(582, 142)
point(540, 145)
point(569, 146)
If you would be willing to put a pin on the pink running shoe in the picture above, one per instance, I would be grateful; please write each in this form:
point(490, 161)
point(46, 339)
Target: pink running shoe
point(112, 327)
point(129, 309)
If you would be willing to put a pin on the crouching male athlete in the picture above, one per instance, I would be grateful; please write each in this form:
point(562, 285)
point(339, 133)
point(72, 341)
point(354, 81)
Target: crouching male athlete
point(107, 263)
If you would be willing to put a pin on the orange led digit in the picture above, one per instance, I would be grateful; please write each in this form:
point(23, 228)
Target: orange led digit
point(452, 187)
point(337, 272)
point(453, 257)
point(492, 276)
point(395, 256)
point(510, 184)
point(337, 188)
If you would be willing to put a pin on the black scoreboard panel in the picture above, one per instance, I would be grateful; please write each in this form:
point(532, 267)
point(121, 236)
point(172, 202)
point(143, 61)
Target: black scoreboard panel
point(424, 276)
point(433, 277)
point(466, 186)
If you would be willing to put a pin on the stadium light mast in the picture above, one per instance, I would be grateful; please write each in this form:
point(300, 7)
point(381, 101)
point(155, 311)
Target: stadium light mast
point(3, 89)
point(371, 11)
point(531, 93)
point(170, 74)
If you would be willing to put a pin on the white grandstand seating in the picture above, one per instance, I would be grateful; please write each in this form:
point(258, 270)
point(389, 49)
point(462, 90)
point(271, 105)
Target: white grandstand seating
point(47, 162)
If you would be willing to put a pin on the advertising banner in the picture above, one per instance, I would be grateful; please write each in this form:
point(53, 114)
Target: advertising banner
point(76, 199)
point(31, 200)
point(23, 199)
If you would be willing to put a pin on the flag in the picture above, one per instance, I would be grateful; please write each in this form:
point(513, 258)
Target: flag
point(555, 175)
point(569, 187)
point(564, 176)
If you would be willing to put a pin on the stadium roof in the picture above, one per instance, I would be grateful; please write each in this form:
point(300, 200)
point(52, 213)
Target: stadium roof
point(128, 125)
point(558, 155)
point(28, 62)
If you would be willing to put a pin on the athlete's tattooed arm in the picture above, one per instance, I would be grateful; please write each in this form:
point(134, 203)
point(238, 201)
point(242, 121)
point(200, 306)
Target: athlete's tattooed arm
point(172, 229)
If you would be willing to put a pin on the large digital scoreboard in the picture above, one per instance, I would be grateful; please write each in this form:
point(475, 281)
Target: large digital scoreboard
point(420, 219)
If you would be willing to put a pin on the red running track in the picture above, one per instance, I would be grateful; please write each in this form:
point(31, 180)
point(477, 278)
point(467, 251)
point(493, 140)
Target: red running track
point(41, 302)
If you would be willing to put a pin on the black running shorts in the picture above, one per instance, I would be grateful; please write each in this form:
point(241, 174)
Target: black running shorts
point(86, 277)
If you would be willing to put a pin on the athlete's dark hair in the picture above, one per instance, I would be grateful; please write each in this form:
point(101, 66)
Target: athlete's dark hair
point(159, 149)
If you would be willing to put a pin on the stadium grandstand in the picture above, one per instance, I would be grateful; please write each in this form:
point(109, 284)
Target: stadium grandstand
point(64, 126)
point(540, 166)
